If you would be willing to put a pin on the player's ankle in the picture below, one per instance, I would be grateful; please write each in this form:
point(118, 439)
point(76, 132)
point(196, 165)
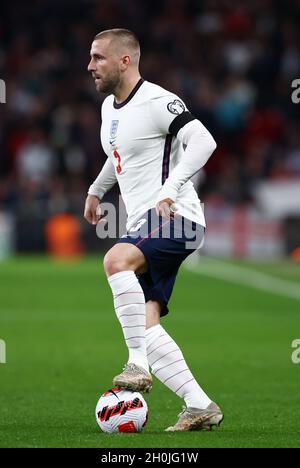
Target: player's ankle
point(193, 401)
point(140, 363)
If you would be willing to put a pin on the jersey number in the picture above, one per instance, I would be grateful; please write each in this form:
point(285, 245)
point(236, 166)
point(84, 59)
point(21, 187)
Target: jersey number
point(118, 157)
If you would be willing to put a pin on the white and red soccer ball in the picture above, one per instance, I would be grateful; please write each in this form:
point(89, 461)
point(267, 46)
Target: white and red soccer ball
point(120, 410)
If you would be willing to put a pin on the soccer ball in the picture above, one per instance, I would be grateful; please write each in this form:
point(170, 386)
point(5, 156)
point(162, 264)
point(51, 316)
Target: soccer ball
point(121, 410)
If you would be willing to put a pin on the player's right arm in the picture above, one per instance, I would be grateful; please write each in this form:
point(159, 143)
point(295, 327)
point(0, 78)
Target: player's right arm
point(104, 182)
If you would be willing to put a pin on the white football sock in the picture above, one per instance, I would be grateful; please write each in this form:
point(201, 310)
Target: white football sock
point(129, 302)
point(168, 365)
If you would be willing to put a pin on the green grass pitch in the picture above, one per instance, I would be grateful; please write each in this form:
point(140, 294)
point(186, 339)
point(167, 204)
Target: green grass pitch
point(64, 345)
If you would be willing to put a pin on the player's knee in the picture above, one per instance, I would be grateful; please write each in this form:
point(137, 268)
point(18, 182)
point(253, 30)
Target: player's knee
point(153, 309)
point(113, 264)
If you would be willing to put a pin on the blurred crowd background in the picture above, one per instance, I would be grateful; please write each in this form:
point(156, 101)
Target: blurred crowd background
point(233, 64)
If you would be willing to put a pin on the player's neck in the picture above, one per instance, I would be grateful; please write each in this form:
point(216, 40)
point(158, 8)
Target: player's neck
point(126, 87)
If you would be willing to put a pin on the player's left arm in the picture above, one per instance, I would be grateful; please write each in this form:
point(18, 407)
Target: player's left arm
point(199, 147)
point(172, 116)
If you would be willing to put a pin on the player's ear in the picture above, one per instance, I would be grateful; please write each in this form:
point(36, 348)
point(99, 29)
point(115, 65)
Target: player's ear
point(125, 62)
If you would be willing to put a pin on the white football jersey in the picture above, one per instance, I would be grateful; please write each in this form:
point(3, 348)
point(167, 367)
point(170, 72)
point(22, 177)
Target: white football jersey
point(137, 137)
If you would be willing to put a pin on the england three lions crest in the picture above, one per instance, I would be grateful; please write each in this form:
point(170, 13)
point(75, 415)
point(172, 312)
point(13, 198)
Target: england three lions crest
point(113, 131)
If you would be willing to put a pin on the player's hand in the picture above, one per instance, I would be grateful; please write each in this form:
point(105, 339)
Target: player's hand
point(166, 208)
point(92, 210)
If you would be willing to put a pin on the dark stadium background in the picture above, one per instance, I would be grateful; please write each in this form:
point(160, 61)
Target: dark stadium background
point(233, 63)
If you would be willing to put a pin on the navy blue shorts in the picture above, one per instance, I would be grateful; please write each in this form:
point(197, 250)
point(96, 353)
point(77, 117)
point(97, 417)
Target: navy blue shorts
point(165, 243)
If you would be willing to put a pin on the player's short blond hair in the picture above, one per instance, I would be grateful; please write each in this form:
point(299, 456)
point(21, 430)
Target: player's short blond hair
point(123, 38)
